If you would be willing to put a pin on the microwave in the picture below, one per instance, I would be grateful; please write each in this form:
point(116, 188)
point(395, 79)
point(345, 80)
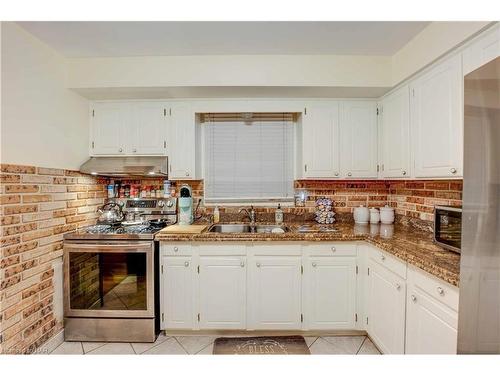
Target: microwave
point(448, 227)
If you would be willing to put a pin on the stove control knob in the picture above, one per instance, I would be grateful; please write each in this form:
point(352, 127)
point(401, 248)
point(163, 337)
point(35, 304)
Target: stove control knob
point(170, 203)
point(161, 203)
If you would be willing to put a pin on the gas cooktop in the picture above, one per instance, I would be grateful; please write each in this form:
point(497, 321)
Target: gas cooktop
point(144, 231)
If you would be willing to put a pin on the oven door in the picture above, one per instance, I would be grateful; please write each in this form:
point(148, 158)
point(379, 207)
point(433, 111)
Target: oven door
point(109, 279)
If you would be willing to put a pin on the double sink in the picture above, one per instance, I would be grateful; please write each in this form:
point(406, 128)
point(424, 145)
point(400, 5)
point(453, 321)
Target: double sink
point(247, 228)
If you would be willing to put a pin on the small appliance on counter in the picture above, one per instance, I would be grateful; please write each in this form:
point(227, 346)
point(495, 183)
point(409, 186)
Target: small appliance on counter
point(448, 227)
point(185, 205)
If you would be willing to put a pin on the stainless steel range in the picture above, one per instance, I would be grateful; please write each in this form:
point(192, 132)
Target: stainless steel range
point(111, 275)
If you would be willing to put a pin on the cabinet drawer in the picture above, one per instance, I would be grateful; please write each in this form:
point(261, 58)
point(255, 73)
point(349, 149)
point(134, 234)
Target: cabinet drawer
point(182, 249)
point(227, 249)
point(438, 289)
point(330, 249)
point(388, 261)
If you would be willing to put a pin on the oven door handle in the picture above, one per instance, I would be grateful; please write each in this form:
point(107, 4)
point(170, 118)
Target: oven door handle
point(138, 246)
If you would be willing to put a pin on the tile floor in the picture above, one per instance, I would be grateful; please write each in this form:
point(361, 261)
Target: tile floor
point(204, 345)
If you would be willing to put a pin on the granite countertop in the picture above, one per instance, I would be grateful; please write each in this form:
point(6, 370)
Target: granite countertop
point(411, 245)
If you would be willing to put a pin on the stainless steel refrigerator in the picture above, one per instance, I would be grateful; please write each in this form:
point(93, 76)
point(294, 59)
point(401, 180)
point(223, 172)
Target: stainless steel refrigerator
point(479, 307)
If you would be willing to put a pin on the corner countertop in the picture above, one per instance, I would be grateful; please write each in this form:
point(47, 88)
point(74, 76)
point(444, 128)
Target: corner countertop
point(411, 245)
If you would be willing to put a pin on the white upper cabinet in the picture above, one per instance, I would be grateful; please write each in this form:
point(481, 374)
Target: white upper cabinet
point(110, 123)
point(395, 134)
point(181, 141)
point(330, 295)
point(320, 137)
point(358, 139)
point(486, 48)
point(128, 128)
point(437, 120)
point(275, 292)
point(222, 291)
point(148, 132)
point(386, 297)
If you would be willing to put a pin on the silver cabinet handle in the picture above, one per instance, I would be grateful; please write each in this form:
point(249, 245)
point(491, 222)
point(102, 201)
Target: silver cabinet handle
point(134, 150)
point(404, 173)
point(440, 291)
point(349, 174)
point(314, 264)
point(242, 264)
point(413, 298)
point(333, 249)
point(186, 264)
point(258, 264)
point(453, 170)
point(336, 174)
point(187, 174)
point(120, 150)
point(398, 286)
point(176, 249)
point(382, 257)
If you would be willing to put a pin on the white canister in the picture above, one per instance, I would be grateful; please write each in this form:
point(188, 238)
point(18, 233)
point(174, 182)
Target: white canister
point(374, 216)
point(387, 215)
point(361, 215)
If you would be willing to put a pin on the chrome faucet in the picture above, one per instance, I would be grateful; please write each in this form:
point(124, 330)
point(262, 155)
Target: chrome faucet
point(250, 214)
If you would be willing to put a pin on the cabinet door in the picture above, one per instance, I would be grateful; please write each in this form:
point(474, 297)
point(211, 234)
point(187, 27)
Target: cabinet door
point(275, 294)
point(330, 298)
point(386, 309)
point(320, 137)
point(148, 130)
point(181, 141)
point(395, 121)
point(177, 288)
point(110, 123)
point(437, 122)
point(358, 139)
point(431, 327)
point(222, 290)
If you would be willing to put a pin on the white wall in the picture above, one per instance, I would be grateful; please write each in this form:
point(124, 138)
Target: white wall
point(431, 43)
point(251, 70)
point(43, 123)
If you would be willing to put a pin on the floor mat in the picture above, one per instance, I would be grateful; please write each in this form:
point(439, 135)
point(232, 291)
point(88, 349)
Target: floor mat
point(261, 345)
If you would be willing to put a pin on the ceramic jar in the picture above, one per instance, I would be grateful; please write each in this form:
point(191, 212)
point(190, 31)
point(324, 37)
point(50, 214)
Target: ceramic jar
point(361, 215)
point(374, 216)
point(387, 215)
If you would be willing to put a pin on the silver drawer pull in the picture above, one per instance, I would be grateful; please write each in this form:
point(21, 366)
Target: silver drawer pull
point(440, 291)
point(382, 257)
point(242, 264)
point(413, 298)
point(453, 170)
point(186, 264)
point(333, 249)
point(314, 264)
point(258, 264)
point(176, 249)
point(398, 286)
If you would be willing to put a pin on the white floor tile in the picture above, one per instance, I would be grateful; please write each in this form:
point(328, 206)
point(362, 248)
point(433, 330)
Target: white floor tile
point(69, 347)
point(170, 346)
point(89, 346)
point(310, 340)
point(193, 344)
point(368, 348)
point(208, 350)
point(345, 344)
point(114, 348)
point(140, 347)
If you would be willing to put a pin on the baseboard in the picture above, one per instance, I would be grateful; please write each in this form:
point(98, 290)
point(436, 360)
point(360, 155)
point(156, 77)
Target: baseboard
point(250, 333)
point(52, 344)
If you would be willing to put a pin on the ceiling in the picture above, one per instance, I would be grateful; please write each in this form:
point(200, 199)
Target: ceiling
point(120, 39)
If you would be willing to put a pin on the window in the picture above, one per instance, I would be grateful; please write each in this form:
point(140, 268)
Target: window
point(248, 157)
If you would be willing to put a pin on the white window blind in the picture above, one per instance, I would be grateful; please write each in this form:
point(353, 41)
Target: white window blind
point(248, 160)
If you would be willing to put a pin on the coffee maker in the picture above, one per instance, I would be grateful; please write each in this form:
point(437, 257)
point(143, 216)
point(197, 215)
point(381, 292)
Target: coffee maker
point(185, 202)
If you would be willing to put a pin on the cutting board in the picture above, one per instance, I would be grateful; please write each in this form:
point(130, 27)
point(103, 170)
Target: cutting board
point(190, 229)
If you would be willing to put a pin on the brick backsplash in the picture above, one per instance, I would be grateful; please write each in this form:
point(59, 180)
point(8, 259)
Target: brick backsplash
point(38, 205)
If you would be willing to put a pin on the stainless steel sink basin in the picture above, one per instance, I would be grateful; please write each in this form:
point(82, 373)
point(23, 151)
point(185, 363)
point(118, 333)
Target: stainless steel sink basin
point(244, 228)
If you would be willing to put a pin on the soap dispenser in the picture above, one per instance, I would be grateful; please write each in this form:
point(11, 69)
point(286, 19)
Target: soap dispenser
point(278, 215)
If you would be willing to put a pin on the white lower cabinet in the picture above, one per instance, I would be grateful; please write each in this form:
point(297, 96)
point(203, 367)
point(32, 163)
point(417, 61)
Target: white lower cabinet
point(386, 308)
point(222, 290)
point(177, 292)
point(275, 292)
point(431, 316)
point(330, 293)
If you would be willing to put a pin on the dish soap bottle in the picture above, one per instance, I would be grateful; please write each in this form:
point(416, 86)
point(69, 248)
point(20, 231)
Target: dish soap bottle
point(216, 215)
point(278, 215)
